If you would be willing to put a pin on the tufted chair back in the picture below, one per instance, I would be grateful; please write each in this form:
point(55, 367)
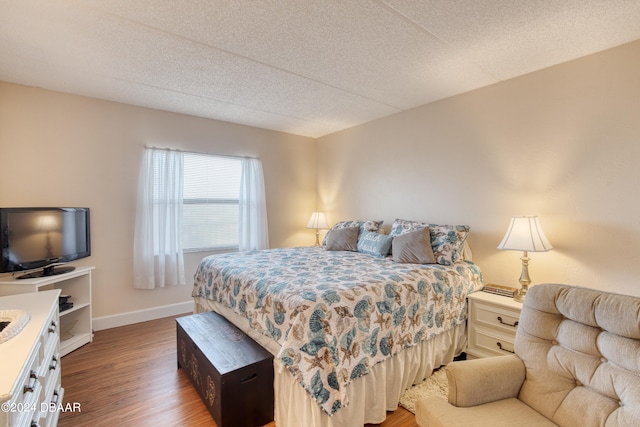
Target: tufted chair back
point(581, 350)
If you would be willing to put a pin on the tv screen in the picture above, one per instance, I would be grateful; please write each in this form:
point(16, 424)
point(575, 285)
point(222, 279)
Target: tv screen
point(33, 238)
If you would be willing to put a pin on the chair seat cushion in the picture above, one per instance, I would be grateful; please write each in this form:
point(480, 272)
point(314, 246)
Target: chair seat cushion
point(436, 412)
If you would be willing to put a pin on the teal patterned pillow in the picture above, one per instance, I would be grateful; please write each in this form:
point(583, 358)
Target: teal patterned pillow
point(375, 244)
point(368, 225)
point(446, 240)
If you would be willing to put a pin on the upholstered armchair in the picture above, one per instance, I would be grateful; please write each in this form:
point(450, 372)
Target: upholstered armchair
point(576, 363)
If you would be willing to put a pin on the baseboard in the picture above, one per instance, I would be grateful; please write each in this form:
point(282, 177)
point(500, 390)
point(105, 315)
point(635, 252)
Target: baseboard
point(122, 319)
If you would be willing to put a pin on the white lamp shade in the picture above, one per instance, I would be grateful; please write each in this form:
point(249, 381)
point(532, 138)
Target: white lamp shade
point(318, 221)
point(525, 234)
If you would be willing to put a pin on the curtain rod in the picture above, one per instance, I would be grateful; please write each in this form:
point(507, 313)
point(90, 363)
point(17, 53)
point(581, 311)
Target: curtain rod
point(197, 152)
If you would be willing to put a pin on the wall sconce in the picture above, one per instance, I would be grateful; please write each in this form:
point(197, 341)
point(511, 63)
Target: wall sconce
point(525, 234)
point(318, 221)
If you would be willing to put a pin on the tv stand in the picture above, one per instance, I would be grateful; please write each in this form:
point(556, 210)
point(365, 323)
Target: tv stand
point(76, 323)
point(47, 271)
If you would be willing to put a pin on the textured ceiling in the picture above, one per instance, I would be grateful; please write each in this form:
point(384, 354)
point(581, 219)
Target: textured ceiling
point(308, 67)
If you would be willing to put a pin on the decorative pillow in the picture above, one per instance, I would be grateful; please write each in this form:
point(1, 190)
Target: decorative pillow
point(368, 225)
point(449, 241)
point(414, 247)
point(376, 244)
point(403, 226)
point(343, 239)
point(446, 240)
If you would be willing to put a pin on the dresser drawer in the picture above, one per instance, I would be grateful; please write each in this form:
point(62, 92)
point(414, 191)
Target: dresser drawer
point(51, 416)
point(25, 402)
point(49, 338)
point(50, 377)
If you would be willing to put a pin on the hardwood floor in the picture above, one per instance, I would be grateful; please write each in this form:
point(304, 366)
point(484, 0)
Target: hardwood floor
point(128, 376)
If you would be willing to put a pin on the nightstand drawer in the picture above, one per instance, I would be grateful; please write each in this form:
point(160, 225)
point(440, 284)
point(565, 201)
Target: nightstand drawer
point(488, 342)
point(500, 318)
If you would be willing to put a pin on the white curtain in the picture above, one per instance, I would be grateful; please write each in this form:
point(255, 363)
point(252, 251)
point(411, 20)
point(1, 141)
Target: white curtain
point(157, 257)
point(252, 207)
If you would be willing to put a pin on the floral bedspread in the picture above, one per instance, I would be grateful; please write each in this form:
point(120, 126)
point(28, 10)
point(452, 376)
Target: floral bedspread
point(336, 314)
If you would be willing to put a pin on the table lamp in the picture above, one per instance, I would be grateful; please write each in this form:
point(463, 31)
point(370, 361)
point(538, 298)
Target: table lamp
point(318, 221)
point(525, 234)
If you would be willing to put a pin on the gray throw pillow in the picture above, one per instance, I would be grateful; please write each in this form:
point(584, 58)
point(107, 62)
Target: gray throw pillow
point(343, 239)
point(413, 247)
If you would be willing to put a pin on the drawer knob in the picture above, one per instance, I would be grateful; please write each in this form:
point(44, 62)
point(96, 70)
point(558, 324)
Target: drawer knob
point(54, 363)
point(52, 328)
point(499, 344)
point(514, 325)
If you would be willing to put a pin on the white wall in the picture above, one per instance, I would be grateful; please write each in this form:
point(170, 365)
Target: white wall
point(64, 150)
point(562, 143)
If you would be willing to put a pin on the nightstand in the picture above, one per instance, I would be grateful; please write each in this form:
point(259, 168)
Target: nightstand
point(492, 324)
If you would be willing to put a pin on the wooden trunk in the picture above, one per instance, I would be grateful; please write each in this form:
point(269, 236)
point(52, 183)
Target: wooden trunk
point(232, 373)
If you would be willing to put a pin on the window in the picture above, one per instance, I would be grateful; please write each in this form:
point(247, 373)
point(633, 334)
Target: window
point(193, 202)
point(210, 202)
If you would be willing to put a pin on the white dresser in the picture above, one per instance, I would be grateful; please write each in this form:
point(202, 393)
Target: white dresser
point(492, 324)
point(30, 388)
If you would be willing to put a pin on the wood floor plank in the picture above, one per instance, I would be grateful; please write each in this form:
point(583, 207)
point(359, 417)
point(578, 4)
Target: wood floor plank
point(128, 376)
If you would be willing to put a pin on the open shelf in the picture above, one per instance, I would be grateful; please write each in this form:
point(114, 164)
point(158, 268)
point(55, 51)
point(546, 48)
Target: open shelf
point(76, 320)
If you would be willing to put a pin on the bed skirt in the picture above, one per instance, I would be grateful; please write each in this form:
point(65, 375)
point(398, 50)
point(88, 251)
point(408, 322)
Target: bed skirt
point(370, 396)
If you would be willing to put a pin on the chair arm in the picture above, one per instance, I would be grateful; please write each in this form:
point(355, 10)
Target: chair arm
point(478, 381)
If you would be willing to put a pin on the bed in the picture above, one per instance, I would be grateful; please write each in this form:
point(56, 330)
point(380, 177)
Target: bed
point(350, 329)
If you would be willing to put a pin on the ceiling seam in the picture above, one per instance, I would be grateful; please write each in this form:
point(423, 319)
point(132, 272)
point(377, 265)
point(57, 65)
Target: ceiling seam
point(150, 27)
point(407, 19)
point(211, 98)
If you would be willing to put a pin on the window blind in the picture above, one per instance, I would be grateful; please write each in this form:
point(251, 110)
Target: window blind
point(210, 202)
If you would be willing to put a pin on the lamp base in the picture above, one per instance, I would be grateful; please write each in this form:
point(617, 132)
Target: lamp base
point(520, 294)
point(525, 280)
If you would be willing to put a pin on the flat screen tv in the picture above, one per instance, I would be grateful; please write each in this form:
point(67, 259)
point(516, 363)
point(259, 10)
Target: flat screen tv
point(43, 238)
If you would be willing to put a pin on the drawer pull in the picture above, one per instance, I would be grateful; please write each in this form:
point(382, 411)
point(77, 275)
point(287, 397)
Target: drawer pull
point(52, 328)
point(29, 388)
point(507, 324)
point(54, 363)
point(499, 344)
